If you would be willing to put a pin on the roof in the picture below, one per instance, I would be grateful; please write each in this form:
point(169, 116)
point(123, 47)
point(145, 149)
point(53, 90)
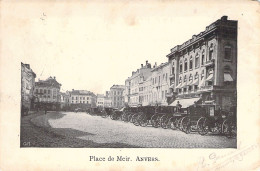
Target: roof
point(100, 96)
point(50, 82)
point(118, 87)
point(160, 66)
point(81, 92)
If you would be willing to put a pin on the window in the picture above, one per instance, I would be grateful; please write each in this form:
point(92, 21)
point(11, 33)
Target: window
point(197, 59)
point(36, 90)
point(185, 78)
point(228, 53)
point(185, 65)
point(195, 87)
point(181, 67)
point(184, 90)
point(49, 91)
point(202, 58)
point(40, 90)
point(76, 98)
point(190, 77)
point(211, 52)
point(44, 91)
point(87, 98)
point(196, 75)
point(162, 94)
point(180, 80)
point(202, 74)
point(191, 63)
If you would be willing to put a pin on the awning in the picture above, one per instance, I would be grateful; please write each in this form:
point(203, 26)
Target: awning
point(227, 77)
point(183, 85)
point(189, 83)
point(195, 82)
point(185, 102)
point(210, 77)
point(178, 86)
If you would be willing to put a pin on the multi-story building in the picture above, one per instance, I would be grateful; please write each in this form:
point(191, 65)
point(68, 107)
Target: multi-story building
point(48, 93)
point(133, 84)
point(81, 97)
point(116, 96)
point(204, 68)
point(27, 87)
point(100, 100)
point(160, 84)
point(107, 100)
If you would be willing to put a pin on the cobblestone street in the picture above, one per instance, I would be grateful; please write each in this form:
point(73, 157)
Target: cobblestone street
point(68, 129)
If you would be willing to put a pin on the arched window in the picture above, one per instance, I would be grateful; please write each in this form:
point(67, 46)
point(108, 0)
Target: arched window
point(191, 62)
point(185, 65)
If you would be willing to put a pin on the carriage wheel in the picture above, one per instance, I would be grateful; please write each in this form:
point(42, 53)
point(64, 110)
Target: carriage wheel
point(135, 120)
point(163, 122)
point(182, 123)
point(143, 121)
point(203, 126)
point(104, 115)
point(187, 126)
point(229, 128)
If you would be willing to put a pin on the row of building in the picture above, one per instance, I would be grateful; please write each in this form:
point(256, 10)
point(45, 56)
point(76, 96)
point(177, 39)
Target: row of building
point(47, 94)
point(202, 69)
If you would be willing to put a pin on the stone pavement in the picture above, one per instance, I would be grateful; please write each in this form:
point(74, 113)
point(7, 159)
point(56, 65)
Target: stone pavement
point(106, 131)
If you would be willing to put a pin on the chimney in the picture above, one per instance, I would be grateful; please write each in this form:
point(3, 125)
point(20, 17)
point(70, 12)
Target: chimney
point(155, 64)
point(54, 78)
point(142, 65)
point(224, 18)
point(146, 62)
point(72, 89)
point(133, 72)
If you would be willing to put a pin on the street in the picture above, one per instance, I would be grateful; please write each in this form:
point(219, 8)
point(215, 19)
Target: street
point(95, 131)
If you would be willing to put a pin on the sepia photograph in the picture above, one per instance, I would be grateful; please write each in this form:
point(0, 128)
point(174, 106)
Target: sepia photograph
point(129, 85)
point(190, 96)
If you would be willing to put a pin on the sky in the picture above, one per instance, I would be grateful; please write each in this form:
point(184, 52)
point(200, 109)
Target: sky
point(93, 45)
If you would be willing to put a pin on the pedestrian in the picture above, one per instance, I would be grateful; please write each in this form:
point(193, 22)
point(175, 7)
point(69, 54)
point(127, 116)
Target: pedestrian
point(178, 106)
point(45, 109)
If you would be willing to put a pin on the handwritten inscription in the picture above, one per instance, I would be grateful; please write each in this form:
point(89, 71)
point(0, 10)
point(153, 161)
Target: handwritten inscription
point(218, 162)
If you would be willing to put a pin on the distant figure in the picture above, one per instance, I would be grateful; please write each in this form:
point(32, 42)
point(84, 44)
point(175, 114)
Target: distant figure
point(45, 109)
point(178, 106)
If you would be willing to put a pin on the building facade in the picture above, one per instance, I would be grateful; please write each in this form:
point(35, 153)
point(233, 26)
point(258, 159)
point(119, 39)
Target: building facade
point(27, 87)
point(116, 96)
point(205, 67)
point(100, 100)
point(134, 85)
point(48, 93)
point(160, 84)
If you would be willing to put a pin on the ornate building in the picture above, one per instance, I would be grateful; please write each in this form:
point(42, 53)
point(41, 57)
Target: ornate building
point(48, 93)
point(27, 87)
point(82, 99)
point(204, 68)
point(134, 85)
point(160, 84)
